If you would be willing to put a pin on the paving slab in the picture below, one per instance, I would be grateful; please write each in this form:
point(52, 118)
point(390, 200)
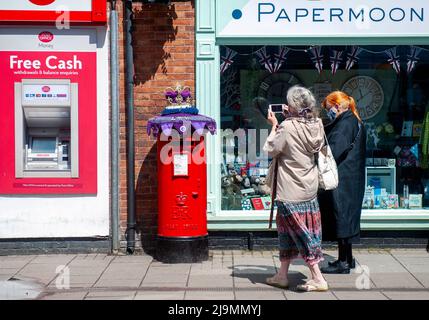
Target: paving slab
point(384, 263)
point(394, 280)
point(207, 295)
point(352, 281)
point(14, 264)
point(359, 295)
point(111, 295)
point(104, 256)
point(128, 267)
point(156, 272)
point(259, 295)
point(197, 270)
point(132, 259)
point(223, 264)
point(112, 283)
point(227, 275)
point(160, 295)
point(40, 278)
point(53, 259)
point(293, 295)
point(407, 295)
point(266, 261)
point(414, 261)
point(113, 273)
point(251, 280)
point(210, 281)
point(423, 278)
point(167, 285)
point(75, 295)
point(86, 271)
point(89, 256)
point(409, 252)
point(8, 271)
point(78, 281)
point(89, 263)
point(18, 257)
point(167, 278)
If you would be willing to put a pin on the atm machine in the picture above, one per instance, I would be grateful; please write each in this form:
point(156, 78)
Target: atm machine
point(46, 129)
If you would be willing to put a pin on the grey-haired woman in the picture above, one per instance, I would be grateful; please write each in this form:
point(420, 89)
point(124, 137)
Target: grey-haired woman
point(293, 145)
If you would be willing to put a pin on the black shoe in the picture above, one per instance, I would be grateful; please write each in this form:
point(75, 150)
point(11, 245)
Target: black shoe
point(334, 263)
point(340, 268)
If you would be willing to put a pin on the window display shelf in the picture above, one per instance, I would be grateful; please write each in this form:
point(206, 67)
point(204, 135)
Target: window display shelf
point(372, 219)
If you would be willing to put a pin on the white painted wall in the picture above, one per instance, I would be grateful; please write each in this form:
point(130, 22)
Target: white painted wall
point(68, 216)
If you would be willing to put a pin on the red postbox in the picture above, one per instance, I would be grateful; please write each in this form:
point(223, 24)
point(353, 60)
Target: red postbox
point(182, 186)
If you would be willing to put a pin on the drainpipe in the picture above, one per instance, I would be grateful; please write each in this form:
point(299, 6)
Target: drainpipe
point(114, 83)
point(129, 79)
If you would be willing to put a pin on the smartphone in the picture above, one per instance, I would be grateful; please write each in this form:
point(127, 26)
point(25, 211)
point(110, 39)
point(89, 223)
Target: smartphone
point(277, 108)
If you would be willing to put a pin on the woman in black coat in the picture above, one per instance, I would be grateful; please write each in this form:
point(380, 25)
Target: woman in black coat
point(341, 208)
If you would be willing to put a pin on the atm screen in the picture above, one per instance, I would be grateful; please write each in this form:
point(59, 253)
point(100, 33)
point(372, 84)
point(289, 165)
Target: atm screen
point(44, 145)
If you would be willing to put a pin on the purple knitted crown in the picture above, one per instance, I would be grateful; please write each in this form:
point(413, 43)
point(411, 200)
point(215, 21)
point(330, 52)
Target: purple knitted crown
point(180, 96)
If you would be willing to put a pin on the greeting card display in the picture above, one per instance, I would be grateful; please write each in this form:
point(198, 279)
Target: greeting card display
point(246, 204)
point(257, 204)
point(266, 201)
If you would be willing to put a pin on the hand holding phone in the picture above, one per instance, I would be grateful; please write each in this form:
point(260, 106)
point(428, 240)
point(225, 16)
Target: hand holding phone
point(277, 108)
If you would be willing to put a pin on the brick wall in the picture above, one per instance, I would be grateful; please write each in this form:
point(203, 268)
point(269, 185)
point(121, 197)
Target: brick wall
point(163, 56)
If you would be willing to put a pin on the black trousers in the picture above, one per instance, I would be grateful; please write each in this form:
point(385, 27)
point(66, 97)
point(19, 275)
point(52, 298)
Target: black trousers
point(345, 253)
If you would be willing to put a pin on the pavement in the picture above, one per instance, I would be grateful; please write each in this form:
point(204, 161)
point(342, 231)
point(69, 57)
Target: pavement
point(397, 274)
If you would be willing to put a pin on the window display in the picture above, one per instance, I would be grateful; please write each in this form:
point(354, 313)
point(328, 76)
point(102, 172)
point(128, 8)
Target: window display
point(390, 86)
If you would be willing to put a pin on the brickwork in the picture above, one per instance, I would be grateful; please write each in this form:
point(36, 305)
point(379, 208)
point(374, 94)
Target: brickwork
point(164, 55)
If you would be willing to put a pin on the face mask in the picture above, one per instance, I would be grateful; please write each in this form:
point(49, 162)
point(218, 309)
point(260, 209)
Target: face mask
point(331, 114)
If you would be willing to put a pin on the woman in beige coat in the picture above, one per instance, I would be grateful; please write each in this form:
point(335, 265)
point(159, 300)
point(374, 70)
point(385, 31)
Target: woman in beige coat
point(293, 144)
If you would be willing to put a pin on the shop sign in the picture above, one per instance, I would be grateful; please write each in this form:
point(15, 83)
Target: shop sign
point(83, 12)
point(322, 18)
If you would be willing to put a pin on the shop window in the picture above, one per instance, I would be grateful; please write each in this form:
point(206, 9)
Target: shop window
point(389, 84)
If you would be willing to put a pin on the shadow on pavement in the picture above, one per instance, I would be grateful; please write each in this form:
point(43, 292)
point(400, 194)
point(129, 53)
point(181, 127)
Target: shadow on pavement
point(258, 274)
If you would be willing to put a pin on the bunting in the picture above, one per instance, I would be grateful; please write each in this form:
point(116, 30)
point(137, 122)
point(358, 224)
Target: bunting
point(394, 60)
point(352, 57)
point(273, 63)
point(280, 57)
point(317, 58)
point(336, 59)
point(265, 59)
point(227, 59)
point(413, 58)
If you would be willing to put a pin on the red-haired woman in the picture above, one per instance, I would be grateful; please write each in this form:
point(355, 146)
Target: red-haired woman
point(341, 208)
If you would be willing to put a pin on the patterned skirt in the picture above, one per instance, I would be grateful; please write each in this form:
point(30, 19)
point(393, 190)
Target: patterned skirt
point(300, 231)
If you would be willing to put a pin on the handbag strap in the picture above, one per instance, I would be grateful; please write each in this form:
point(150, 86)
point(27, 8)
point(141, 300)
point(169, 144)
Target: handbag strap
point(273, 192)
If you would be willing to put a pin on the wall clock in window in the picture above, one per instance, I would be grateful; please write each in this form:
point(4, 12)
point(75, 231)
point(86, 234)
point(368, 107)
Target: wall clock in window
point(273, 89)
point(368, 94)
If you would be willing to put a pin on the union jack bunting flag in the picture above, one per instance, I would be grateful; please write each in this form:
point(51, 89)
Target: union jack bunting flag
point(394, 60)
point(413, 58)
point(265, 59)
point(226, 60)
point(317, 57)
point(352, 57)
point(280, 58)
point(336, 59)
